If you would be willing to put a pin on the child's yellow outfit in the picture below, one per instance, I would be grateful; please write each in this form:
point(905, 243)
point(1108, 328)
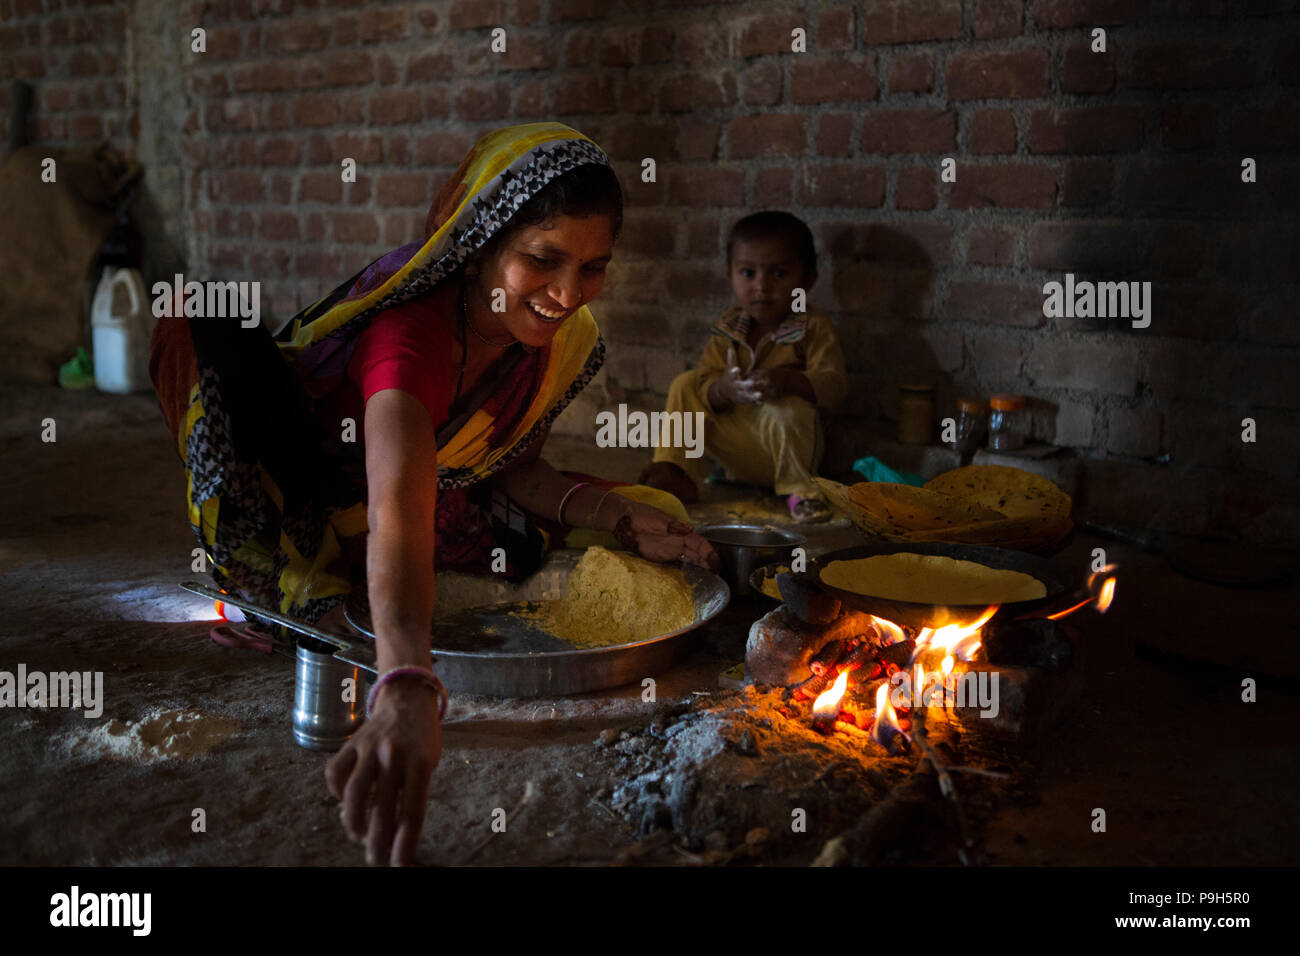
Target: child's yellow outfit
point(776, 444)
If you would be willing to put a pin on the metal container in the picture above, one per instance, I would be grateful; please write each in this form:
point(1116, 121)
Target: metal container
point(326, 711)
point(743, 547)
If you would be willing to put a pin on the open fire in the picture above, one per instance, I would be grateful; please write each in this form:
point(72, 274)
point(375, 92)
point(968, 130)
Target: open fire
point(916, 668)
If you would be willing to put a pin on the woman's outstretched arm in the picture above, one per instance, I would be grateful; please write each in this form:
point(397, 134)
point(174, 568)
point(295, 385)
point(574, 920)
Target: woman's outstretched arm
point(382, 773)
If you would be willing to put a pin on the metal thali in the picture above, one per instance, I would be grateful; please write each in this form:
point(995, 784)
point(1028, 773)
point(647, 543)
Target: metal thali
point(482, 644)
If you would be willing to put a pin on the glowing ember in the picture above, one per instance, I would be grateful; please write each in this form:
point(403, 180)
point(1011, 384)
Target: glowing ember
point(885, 730)
point(827, 703)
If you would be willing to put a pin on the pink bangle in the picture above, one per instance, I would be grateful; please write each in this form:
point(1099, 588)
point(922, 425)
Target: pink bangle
point(559, 515)
point(425, 675)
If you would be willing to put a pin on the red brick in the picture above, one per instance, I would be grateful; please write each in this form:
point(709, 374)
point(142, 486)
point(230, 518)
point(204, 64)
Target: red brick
point(908, 21)
point(404, 189)
point(835, 29)
point(257, 77)
point(841, 185)
point(1010, 186)
point(693, 91)
point(993, 131)
point(700, 43)
point(637, 95)
point(561, 10)
point(86, 126)
point(1086, 182)
point(236, 186)
point(222, 44)
point(997, 18)
point(278, 226)
point(911, 73)
point(832, 80)
point(908, 131)
point(1059, 14)
point(772, 134)
point(834, 134)
point(443, 148)
point(707, 187)
point(917, 188)
point(82, 62)
point(1192, 66)
point(348, 226)
point(532, 99)
point(634, 140)
point(363, 147)
point(1188, 126)
point(995, 303)
point(397, 149)
point(760, 84)
point(648, 235)
point(528, 53)
point(295, 36)
point(773, 188)
point(280, 151)
point(482, 101)
point(1086, 72)
point(922, 245)
point(473, 14)
point(1276, 128)
point(977, 75)
point(395, 107)
point(358, 193)
point(1058, 362)
point(1091, 129)
point(697, 140)
point(428, 67)
point(631, 46)
point(385, 24)
point(320, 187)
point(769, 33)
point(990, 246)
point(583, 94)
point(316, 109)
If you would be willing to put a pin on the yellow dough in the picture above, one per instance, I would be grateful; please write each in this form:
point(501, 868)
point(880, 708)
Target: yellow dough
point(616, 598)
point(931, 579)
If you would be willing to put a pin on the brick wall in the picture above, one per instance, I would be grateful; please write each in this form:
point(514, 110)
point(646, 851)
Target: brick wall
point(1116, 166)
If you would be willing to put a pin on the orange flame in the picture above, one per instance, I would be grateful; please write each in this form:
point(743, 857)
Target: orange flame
point(888, 629)
point(884, 709)
point(828, 701)
point(1100, 594)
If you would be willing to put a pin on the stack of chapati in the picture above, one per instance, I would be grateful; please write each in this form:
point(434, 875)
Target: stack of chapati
point(979, 504)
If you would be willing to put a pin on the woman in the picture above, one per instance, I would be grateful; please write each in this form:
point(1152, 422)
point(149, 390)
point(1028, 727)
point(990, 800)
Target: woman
point(451, 357)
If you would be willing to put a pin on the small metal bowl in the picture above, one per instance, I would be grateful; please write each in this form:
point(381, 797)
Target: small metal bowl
point(743, 547)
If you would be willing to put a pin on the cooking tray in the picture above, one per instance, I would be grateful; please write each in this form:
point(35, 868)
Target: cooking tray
point(1056, 579)
point(486, 649)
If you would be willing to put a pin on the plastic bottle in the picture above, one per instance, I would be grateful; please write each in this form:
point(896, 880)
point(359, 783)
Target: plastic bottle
point(121, 323)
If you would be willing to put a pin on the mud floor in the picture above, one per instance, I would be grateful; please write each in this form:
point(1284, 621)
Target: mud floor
point(93, 541)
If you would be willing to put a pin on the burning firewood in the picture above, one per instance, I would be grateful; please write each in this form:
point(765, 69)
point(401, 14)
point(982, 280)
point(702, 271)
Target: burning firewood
point(825, 659)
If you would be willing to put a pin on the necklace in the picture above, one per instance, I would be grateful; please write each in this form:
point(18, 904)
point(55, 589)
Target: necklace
point(464, 311)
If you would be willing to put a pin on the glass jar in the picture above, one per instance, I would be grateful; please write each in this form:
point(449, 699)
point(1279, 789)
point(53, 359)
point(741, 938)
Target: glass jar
point(1008, 422)
point(915, 414)
point(972, 426)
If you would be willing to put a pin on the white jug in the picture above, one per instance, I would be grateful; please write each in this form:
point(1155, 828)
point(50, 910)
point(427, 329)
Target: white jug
point(120, 336)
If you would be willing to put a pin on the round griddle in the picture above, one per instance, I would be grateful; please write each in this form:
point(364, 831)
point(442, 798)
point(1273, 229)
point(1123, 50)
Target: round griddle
point(488, 649)
point(1056, 579)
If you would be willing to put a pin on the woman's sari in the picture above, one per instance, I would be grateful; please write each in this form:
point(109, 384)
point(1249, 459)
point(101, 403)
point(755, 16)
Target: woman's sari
point(275, 500)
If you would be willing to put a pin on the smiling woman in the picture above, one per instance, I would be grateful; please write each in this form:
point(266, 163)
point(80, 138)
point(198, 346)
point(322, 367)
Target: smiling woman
point(455, 354)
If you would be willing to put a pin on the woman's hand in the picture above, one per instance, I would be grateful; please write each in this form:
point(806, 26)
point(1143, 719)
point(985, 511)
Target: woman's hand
point(382, 774)
point(658, 536)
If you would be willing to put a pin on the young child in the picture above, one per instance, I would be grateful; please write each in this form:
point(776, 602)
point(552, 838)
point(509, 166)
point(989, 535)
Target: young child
point(764, 375)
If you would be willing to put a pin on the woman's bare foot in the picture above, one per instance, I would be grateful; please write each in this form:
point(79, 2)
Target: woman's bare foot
point(668, 477)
